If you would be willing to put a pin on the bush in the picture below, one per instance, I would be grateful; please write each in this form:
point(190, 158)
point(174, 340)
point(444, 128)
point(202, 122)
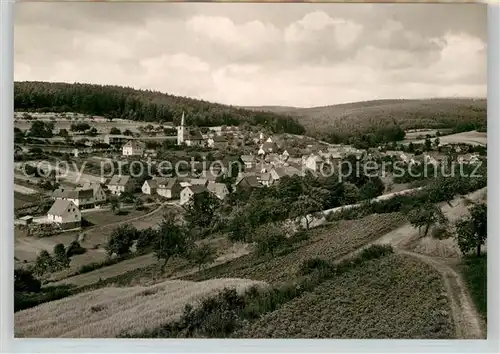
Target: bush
point(75, 249)
point(375, 251)
point(314, 264)
point(23, 300)
point(25, 281)
point(440, 232)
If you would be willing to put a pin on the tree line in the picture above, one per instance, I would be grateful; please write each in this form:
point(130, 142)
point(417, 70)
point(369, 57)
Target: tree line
point(141, 105)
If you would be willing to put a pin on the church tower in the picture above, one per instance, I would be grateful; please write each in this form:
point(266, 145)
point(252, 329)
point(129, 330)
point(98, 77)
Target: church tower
point(180, 131)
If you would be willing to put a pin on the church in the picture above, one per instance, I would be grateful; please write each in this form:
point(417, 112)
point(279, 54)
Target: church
point(188, 136)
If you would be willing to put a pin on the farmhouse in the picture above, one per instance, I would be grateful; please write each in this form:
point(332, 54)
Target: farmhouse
point(189, 191)
point(65, 213)
point(82, 198)
point(313, 162)
point(120, 184)
point(133, 148)
point(169, 188)
point(98, 192)
point(218, 189)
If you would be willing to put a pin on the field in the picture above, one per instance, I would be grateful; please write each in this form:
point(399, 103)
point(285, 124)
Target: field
point(102, 125)
point(327, 242)
point(27, 248)
point(364, 116)
point(472, 138)
point(107, 312)
point(393, 297)
point(23, 199)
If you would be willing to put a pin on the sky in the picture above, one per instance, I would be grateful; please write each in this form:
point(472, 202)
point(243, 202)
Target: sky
point(298, 55)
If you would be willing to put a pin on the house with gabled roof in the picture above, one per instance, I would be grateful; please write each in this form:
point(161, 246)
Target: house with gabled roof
point(65, 213)
point(169, 188)
point(189, 191)
point(82, 198)
point(133, 148)
point(248, 182)
point(218, 189)
point(120, 184)
point(97, 190)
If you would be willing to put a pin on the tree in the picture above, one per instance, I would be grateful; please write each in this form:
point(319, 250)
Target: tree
point(139, 204)
point(63, 132)
point(40, 129)
point(121, 240)
point(44, 263)
point(115, 205)
point(114, 131)
point(171, 240)
point(269, 237)
point(372, 189)
point(24, 281)
point(426, 216)
point(303, 207)
point(61, 257)
point(437, 141)
point(202, 254)
point(201, 210)
point(472, 231)
point(411, 147)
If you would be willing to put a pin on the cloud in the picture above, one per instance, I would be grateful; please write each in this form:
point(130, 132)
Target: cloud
point(258, 54)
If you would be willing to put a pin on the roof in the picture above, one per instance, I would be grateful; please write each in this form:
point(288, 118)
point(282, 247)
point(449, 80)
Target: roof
point(247, 158)
point(252, 181)
point(198, 181)
point(60, 207)
point(218, 189)
point(195, 135)
point(269, 146)
point(26, 217)
point(197, 189)
point(266, 176)
point(73, 193)
point(220, 139)
point(118, 180)
point(167, 183)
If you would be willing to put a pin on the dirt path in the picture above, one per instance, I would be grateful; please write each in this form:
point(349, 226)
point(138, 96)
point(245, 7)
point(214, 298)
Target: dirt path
point(468, 324)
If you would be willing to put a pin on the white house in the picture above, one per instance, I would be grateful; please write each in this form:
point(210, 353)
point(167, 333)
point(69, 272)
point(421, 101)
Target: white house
point(120, 184)
point(150, 186)
point(169, 188)
point(133, 148)
point(65, 213)
point(189, 191)
point(313, 162)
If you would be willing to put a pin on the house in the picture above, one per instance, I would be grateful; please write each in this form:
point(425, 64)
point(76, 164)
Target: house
point(98, 192)
point(25, 220)
point(218, 189)
point(217, 142)
point(285, 155)
point(468, 159)
point(133, 148)
point(169, 187)
point(65, 213)
point(189, 191)
point(269, 146)
point(313, 162)
point(266, 179)
point(120, 184)
point(82, 198)
point(116, 140)
point(150, 186)
point(248, 182)
point(248, 160)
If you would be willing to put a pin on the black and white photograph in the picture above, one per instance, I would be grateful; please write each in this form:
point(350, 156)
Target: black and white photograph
point(250, 170)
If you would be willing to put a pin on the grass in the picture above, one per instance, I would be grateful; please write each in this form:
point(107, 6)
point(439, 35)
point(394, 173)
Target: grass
point(107, 312)
point(392, 297)
point(474, 270)
point(328, 242)
point(22, 200)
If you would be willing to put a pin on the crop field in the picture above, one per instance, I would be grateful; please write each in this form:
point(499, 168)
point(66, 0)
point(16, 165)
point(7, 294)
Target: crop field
point(472, 138)
point(22, 199)
point(328, 242)
point(107, 312)
point(394, 297)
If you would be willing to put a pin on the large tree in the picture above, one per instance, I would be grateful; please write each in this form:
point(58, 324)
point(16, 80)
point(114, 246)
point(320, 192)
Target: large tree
point(472, 230)
point(201, 210)
point(305, 208)
point(426, 216)
point(171, 241)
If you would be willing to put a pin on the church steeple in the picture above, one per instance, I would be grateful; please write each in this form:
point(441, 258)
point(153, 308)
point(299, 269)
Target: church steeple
point(180, 131)
point(182, 119)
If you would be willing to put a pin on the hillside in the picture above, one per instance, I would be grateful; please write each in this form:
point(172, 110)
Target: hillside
point(141, 105)
point(364, 117)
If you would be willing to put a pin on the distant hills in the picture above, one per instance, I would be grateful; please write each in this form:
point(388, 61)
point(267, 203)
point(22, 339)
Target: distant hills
point(368, 116)
point(142, 105)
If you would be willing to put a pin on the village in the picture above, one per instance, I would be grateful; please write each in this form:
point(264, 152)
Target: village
point(267, 159)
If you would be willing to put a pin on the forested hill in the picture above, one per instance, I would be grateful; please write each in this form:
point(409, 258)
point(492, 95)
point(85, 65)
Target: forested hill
point(141, 105)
